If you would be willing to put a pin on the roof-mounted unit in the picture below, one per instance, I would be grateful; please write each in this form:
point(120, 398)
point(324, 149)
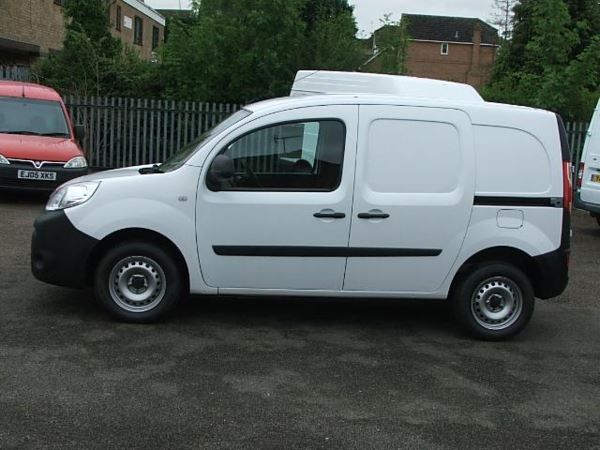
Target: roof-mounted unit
point(311, 82)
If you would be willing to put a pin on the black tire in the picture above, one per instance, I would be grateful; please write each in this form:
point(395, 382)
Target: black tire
point(491, 291)
point(598, 220)
point(145, 282)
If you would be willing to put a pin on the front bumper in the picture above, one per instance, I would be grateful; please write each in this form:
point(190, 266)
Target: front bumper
point(60, 252)
point(9, 179)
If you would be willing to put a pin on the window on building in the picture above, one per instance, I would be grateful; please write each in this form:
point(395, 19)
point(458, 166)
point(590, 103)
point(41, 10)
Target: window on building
point(118, 18)
point(445, 46)
point(138, 32)
point(59, 2)
point(298, 156)
point(155, 37)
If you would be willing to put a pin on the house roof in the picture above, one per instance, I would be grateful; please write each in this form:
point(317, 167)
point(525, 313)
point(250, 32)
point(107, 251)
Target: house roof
point(147, 10)
point(448, 29)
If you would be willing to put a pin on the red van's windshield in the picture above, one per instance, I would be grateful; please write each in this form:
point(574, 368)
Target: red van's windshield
point(32, 117)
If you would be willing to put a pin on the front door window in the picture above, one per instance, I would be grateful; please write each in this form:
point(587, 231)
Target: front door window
point(297, 156)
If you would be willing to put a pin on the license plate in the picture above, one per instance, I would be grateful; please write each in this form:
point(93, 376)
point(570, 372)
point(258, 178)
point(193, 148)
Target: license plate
point(36, 175)
point(595, 178)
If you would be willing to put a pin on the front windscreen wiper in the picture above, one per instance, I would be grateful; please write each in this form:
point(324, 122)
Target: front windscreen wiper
point(154, 169)
point(55, 134)
point(29, 133)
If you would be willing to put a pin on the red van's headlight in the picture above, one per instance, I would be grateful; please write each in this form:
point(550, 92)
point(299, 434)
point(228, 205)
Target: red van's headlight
point(79, 162)
point(3, 160)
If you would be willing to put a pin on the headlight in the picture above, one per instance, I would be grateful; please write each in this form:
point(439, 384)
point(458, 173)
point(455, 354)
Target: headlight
point(3, 160)
point(78, 162)
point(72, 195)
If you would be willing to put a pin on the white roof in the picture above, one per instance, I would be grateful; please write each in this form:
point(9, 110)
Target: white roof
point(147, 10)
point(313, 82)
point(480, 112)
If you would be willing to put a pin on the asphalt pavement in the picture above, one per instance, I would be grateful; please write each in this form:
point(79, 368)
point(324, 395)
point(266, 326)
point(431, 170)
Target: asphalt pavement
point(290, 373)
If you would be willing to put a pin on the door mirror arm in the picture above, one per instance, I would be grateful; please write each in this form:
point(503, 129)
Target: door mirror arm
point(79, 132)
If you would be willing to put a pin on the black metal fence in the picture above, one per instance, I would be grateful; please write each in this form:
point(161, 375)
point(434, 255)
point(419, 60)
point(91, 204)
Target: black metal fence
point(15, 73)
point(124, 132)
point(576, 133)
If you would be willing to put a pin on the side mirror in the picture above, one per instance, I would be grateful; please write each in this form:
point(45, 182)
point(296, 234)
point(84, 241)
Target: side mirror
point(79, 132)
point(221, 169)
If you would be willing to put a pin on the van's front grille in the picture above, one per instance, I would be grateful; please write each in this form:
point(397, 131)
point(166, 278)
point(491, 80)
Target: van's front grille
point(37, 164)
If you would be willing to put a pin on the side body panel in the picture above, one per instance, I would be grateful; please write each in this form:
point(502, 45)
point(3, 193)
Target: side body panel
point(163, 203)
point(416, 165)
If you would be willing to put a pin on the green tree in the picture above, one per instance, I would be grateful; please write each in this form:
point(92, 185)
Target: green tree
point(542, 66)
point(392, 46)
point(251, 48)
point(314, 11)
point(92, 62)
point(90, 18)
point(242, 50)
point(585, 19)
point(332, 39)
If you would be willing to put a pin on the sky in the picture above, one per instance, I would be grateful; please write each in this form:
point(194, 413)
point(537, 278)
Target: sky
point(368, 12)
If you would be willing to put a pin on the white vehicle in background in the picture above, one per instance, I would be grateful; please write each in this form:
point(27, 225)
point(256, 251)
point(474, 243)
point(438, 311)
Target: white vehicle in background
point(588, 177)
point(357, 185)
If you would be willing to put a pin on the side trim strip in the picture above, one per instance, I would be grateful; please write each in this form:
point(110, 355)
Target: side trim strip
point(547, 202)
point(321, 252)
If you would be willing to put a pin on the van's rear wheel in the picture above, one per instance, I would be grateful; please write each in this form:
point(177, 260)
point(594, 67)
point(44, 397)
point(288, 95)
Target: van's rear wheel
point(138, 282)
point(494, 302)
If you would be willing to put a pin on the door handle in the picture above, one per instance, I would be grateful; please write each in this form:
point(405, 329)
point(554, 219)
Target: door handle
point(329, 215)
point(373, 216)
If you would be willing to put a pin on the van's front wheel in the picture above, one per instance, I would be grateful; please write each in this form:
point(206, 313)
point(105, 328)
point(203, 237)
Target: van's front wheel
point(138, 282)
point(494, 302)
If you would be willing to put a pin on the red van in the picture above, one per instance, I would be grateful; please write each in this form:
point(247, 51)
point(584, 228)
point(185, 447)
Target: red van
point(38, 143)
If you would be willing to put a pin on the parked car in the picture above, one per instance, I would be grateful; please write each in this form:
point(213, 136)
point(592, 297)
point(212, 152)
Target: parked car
point(38, 143)
point(588, 177)
point(348, 195)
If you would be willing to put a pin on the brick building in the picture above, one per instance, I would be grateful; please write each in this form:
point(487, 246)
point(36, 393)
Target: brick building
point(137, 24)
point(28, 29)
point(448, 48)
point(33, 28)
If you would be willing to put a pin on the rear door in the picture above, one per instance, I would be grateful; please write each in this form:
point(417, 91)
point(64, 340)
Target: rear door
point(413, 198)
point(590, 183)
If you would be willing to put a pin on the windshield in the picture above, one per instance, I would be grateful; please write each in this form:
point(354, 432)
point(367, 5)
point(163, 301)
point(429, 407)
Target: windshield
point(179, 158)
point(32, 117)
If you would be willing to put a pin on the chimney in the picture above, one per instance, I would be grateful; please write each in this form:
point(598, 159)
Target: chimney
point(476, 57)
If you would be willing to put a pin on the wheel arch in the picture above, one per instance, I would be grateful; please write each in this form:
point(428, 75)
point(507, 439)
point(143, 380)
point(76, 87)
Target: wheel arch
point(511, 255)
point(135, 234)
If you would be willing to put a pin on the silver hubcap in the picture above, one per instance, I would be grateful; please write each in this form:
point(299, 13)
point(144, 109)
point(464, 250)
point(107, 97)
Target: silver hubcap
point(137, 284)
point(497, 303)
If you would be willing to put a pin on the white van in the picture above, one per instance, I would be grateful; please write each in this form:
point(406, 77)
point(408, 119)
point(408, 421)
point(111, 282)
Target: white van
point(348, 195)
point(588, 177)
